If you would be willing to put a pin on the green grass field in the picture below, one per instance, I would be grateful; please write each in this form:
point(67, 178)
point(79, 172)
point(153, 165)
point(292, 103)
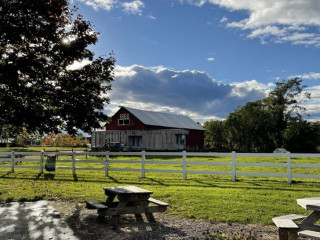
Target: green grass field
point(211, 197)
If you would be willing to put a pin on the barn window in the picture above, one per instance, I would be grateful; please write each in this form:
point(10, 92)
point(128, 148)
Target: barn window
point(124, 122)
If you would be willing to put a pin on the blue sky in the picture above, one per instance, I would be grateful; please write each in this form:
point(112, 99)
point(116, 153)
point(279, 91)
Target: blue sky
point(204, 58)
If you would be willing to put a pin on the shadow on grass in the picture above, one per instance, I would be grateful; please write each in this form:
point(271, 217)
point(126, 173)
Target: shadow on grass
point(175, 181)
point(48, 176)
point(156, 181)
point(75, 178)
point(6, 174)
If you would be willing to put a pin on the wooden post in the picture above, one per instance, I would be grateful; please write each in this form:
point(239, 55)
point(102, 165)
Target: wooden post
point(184, 164)
point(106, 173)
point(12, 161)
point(289, 167)
point(73, 163)
point(143, 159)
point(41, 162)
point(233, 164)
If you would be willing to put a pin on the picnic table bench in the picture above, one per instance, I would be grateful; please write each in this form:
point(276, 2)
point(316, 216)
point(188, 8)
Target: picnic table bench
point(131, 200)
point(290, 227)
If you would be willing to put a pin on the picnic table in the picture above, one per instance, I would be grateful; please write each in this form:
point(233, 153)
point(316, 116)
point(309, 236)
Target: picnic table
point(131, 200)
point(293, 225)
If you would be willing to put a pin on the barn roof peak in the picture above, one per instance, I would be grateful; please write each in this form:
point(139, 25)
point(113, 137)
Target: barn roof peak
point(163, 119)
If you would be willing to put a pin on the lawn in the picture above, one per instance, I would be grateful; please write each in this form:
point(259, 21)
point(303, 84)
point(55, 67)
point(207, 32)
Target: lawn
point(211, 197)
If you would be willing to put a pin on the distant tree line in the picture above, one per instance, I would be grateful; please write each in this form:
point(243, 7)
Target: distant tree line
point(264, 125)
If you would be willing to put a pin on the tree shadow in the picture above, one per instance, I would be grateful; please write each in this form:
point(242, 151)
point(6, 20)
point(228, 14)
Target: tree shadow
point(35, 220)
point(86, 226)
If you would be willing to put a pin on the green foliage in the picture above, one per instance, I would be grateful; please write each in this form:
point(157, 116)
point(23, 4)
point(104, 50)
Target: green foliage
point(39, 40)
point(301, 136)
point(214, 137)
point(21, 138)
point(283, 103)
point(246, 129)
point(264, 125)
point(64, 140)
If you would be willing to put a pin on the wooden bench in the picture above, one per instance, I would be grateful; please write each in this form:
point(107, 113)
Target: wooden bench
point(158, 202)
point(309, 234)
point(288, 229)
point(91, 204)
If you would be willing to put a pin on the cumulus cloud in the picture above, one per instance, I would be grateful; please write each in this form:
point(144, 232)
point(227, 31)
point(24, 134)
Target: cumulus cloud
point(210, 59)
point(100, 4)
point(188, 92)
point(310, 76)
point(134, 7)
point(276, 21)
point(243, 89)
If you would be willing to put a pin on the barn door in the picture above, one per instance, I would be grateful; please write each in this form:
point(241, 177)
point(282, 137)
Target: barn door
point(180, 141)
point(135, 141)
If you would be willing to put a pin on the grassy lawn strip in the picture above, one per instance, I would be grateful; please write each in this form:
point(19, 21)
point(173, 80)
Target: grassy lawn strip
point(212, 197)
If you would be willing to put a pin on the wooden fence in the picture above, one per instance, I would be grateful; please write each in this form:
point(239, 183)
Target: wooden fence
point(10, 159)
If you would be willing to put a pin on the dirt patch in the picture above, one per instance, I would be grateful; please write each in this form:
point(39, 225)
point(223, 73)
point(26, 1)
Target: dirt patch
point(85, 225)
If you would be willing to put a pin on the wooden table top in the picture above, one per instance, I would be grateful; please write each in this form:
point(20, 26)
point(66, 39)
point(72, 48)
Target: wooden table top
point(312, 203)
point(126, 190)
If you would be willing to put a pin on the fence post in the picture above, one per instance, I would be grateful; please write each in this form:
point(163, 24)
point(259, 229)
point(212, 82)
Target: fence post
point(12, 161)
point(73, 163)
point(184, 163)
point(234, 174)
point(41, 161)
point(289, 167)
point(106, 173)
point(143, 159)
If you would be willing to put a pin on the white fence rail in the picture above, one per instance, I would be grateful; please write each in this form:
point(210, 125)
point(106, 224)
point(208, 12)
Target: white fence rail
point(10, 160)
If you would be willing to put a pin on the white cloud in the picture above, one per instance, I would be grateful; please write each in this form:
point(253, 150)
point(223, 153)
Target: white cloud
point(151, 17)
point(311, 76)
point(191, 92)
point(134, 7)
point(77, 65)
point(210, 59)
point(276, 21)
point(224, 19)
point(242, 89)
point(100, 4)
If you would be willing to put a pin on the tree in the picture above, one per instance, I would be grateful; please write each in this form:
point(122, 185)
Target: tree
point(64, 140)
point(284, 103)
point(248, 128)
point(39, 40)
point(269, 123)
point(301, 136)
point(215, 135)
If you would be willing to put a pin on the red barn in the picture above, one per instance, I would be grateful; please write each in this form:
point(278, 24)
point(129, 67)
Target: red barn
point(138, 129)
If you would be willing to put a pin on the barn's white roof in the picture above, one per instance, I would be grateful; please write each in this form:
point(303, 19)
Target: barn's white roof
point(164, 119)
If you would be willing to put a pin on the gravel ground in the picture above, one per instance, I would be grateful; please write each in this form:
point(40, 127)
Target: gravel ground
point(84, 224)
